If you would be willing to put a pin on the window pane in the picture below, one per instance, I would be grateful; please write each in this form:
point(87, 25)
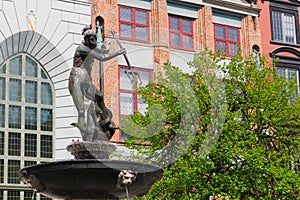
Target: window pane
point(46, 94)
point(30, 145)
point(145, 76)
point(187, 26)
point(14, 117)
point(13, 195)
point(174, 23)
point(126, 103)
point(14, 144)
point(280, 72)
point(30, 118)
point(277, 26)
point(2, 135)
point(2, 115)
point(125, 82)
point(175, 39)
point(31, 67)
point(46, 146)
point(1, 172)
point(3, 69)
point(142, 105)
point(29, 163)
point(141, 16)
point(43, 74)
point(292, 74)
point(2, 88)
point(15, 66)
point(31, 92)
point(126, 14)
point(141, 33)
point(233, 49)
point(29, 195)
point(220, 31)
point(187, 41)
point(233, 34)
point(221, 46)
point(289, 28)
point(126, 30)
point(46, 119)
point(15, 89)
point(13, 168)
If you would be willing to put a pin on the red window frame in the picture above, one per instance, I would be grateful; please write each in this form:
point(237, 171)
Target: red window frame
point(226, 39)
point(181, 32)
point(134, 23)
point(133, 91)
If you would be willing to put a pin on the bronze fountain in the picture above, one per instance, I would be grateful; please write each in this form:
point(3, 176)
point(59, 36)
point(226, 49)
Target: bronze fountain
point(91, 174)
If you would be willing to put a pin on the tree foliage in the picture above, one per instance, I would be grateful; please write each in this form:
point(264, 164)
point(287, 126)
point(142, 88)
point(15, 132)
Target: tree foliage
point(256, 155)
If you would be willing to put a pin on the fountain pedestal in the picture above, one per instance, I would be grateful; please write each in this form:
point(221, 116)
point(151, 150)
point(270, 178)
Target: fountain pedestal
point(90, 178)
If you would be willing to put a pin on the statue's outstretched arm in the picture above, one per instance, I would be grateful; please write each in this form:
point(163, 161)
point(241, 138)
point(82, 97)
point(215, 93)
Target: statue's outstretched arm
point(104, 57)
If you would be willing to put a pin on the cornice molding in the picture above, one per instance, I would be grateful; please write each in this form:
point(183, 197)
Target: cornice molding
point(290, 3)
point(246, 7)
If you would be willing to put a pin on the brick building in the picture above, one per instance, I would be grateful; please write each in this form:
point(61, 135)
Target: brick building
point(37, 43)
point(158, 31)
point(281, 35)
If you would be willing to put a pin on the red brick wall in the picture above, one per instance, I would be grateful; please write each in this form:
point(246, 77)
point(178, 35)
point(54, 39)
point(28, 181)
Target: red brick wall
point(203, 38)
point(250, 35)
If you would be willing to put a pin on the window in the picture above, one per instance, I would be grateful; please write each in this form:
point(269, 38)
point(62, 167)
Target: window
point(26, 121)
point(289, 74)
point(284, 23)
point(46, 146)
point(134, 23)
point(30, 145)
point(181, 32)
point(13, 168)
point(1, 171)
point(14, 144)
point(227, 39)
point(29, 195)
point(130, 101)
point(13, 195)
point(1, 143)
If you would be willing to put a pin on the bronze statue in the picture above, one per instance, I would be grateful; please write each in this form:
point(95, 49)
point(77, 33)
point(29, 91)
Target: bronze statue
point(98, 124)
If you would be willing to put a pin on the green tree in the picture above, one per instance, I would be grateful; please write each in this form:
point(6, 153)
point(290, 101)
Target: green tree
point(253, 153)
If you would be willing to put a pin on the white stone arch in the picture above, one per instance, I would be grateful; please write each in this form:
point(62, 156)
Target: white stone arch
point(53, 62)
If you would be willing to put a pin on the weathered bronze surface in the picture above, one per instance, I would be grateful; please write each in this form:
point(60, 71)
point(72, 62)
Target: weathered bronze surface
point(91, 175)
point(89, 179)
point(96, 124)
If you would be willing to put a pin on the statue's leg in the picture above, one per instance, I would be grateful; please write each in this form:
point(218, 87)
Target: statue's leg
point(91, 92)
point(78, 99)
point(91, 122)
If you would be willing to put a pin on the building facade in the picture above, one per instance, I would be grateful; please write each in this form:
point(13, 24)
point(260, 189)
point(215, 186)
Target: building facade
point(158, 31)
point(281, 35)
point(37, 43)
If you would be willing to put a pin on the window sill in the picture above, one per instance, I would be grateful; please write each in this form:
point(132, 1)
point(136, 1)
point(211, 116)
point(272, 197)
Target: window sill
point(135, 40)
point(182, 49)
point(284, 44)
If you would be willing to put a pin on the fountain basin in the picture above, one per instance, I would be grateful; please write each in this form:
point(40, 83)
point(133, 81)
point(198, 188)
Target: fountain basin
point(89, 178)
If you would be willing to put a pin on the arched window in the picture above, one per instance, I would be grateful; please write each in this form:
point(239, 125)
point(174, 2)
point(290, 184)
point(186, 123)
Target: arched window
point(26, 121)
